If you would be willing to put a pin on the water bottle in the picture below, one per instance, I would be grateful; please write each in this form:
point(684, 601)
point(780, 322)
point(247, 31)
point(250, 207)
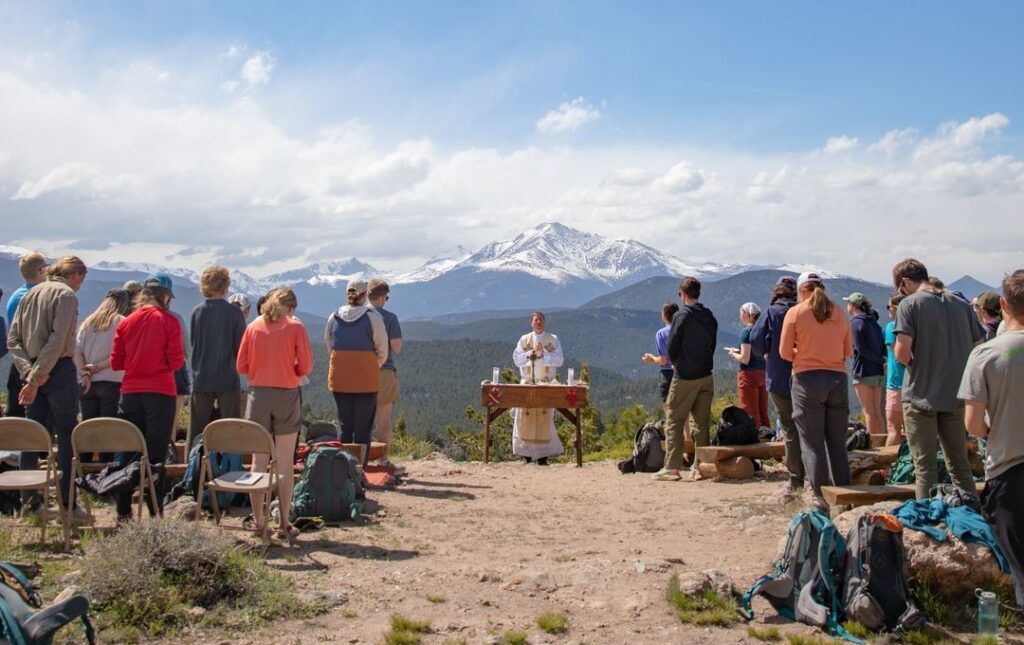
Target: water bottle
point(495, 375)
point(988, 613)
point(572, 376)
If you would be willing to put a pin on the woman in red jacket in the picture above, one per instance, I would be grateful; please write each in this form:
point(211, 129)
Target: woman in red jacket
point(147, 346)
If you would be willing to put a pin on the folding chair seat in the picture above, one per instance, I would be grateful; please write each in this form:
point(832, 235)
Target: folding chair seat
point(241, 437)
point(112, 435)
point(29, 436)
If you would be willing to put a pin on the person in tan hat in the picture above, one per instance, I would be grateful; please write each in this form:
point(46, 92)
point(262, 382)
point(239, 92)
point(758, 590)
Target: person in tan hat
point(358, 344)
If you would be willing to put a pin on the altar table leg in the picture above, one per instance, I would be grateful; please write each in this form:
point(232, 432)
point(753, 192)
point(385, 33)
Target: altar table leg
point(487, 435)
point(579, 439)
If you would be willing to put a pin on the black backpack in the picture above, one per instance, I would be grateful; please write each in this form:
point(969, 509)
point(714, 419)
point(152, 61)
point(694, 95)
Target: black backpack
point(875, 591)
point(859, 439)
point(735, 428)
point(648, 454)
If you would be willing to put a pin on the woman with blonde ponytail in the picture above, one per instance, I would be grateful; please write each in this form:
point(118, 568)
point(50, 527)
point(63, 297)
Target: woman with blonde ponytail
point(816, 339)
point(275, 354)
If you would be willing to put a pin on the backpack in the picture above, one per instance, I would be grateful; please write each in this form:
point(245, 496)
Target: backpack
point(330, 487)
point(735, 428)
point(20, 625)
point(219, 463)
point(860, 439)
point(902, 470)
point(805, 583)
point(953, 495)
point(875, 578)
point(648, 455)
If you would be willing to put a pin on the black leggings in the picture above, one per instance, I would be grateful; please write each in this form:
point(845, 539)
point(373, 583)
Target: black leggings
point(1001, 502)
point(154, 416)
point(356, 413)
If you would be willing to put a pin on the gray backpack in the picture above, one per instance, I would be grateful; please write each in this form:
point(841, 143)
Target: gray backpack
point(804, 586)
point(875, 577)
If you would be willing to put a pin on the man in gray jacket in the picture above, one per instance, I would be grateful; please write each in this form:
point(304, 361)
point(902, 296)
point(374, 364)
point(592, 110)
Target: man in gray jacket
point(42, 343)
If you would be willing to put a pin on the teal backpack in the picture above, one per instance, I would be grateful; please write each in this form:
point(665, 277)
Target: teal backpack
point(20, 625)
point(330, 487)
point(806, 583)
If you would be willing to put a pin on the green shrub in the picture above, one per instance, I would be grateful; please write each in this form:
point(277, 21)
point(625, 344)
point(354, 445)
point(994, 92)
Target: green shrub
point(709, 608)
point(767, 634)
point(553, 622)
point(149, 574)
point(514, 637)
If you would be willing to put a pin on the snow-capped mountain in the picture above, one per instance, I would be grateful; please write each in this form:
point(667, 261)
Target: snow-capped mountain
point(322, 273)
point(559, 254)
point(435, 266)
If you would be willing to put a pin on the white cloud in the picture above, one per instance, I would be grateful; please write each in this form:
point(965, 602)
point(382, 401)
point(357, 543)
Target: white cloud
point(233, 51)
point(229, 86)
point(568, 117)
point(836, 145)
point(953, 137)
point(181, 169)
point(683, 177)
point(257, 68)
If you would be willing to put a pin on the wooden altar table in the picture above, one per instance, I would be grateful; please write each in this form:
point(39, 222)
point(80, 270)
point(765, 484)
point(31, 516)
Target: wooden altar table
point(498, 398)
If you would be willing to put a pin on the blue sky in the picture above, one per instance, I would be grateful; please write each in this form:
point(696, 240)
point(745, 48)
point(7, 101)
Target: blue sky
point(691, 118)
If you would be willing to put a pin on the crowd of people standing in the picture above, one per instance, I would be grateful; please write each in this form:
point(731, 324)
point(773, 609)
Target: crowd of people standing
point(134, 358)
point(946, 370)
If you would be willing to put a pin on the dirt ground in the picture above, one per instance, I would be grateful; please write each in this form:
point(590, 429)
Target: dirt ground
point(480, 550)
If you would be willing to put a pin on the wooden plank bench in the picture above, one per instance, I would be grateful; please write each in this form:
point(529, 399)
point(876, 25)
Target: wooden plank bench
point(864, 495)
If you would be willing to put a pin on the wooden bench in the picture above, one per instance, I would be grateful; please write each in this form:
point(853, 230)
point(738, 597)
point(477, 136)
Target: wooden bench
point(736, 462)
point(865, 495)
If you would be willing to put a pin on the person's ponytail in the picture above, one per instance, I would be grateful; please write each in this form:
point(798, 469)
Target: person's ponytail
point(819, 303)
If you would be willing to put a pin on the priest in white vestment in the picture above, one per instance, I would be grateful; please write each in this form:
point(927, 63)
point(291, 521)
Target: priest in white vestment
point(538, 355)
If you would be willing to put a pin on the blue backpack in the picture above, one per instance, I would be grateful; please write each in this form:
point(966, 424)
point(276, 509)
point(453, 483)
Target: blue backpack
point(806, 583)
point(220, 463)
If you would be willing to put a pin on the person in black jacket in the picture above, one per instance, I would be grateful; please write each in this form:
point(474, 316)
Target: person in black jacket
point(691, 349)
point(869, 355)
point(764, 340)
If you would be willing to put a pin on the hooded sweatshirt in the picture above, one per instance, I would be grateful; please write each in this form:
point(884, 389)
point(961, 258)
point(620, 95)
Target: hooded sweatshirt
point(869, 351)
point(692, 340)
point(358, 343)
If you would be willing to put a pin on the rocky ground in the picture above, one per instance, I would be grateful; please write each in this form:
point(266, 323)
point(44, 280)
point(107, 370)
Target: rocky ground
point(481, 550)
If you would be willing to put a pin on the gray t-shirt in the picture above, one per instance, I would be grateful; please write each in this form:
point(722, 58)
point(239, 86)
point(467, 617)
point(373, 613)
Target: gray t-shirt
point(944, 329)
point(995, 375)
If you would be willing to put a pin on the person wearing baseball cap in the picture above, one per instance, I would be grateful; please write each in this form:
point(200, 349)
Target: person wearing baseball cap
point(765, 336)
point(868, 360)
point(148, 348)
point(816, 339)
point(358, 344)
point(986, 305)
point(182, 383)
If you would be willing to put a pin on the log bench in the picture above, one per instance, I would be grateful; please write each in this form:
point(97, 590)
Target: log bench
point(736, 462)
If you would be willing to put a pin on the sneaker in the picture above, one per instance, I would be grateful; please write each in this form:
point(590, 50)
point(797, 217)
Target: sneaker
point(818, 502)
point(394, 469)
point(666, 475)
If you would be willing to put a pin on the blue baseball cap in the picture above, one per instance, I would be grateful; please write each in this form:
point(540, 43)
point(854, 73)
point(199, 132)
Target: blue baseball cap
point(158, 280)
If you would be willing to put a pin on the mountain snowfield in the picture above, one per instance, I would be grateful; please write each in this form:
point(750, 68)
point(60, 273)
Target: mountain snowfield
point(550, 265)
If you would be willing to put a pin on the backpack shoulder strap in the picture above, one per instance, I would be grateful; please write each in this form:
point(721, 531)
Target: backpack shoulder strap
point(830, 549)
point(10, 628)
point(13, 577)
point(778, 571)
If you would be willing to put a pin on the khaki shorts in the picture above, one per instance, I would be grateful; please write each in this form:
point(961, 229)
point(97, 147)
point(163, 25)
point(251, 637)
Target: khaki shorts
point(277, 409)
point(388, 387)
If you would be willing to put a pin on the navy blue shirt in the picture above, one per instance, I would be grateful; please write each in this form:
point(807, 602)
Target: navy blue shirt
point(764, 341)
point(756, 361)
point(869, 351)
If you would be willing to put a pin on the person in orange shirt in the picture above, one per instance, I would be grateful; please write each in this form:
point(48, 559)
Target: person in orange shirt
point(816, 339)
point(275, 354)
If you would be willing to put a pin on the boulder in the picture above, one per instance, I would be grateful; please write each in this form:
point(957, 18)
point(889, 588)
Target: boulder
point(951, 568)
point(183, 508)
point(694, 583)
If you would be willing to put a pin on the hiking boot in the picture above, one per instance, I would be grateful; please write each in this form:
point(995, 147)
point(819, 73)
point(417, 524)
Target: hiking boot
point(666, 475)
